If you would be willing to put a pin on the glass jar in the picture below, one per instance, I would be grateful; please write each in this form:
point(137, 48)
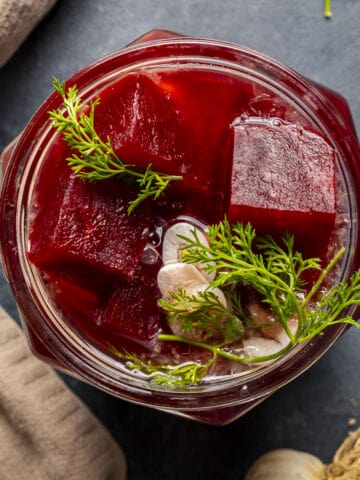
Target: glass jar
point(50, 337)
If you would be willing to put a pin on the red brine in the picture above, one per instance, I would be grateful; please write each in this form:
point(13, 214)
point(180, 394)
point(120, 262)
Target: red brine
point(243, 151)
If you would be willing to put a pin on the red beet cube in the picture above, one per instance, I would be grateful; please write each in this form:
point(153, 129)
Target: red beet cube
point(85, 226)
point(143, 124)
point(132, 313)
point(283, 178)
point(73, 294)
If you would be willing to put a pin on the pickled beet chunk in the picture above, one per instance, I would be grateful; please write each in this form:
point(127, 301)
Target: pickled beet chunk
point(76, 295)
point(283, 179)
point(132, 313)
point(143, 124)
point(85, 227)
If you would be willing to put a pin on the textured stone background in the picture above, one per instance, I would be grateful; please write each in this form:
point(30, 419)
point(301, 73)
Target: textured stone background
point(312, 412)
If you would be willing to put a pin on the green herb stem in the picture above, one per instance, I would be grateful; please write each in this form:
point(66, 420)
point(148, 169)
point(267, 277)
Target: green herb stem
point(182, 375)
point(218, 349)
point(327, 9)
point(325, 272)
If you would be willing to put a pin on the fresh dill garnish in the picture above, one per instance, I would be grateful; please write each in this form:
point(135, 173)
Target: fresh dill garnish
point(272, 270)
point(202, 313)
point(185, 374)
point(188, 373)
point(329, 306)
point(275, 271)
point(93, 158)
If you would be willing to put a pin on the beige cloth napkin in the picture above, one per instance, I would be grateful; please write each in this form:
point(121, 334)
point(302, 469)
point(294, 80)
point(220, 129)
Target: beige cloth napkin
point(17, 19)
point(46, 433)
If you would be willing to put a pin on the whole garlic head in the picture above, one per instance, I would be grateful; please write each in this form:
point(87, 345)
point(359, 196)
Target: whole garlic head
point(286, 464)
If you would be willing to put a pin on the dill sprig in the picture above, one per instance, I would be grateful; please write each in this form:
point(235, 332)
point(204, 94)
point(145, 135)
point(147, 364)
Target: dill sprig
point(238, 256)
point(203, 314)
point(182, 375)
point(329, 306)
point(316, 317)
point(93, 158)
point(275, 271)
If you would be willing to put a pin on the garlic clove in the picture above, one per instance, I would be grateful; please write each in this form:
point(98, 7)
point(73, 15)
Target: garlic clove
point(256, 346)
point(172, 243)
point(173, 276)
point(280, 334)
point(273, 329)
point(286, 464)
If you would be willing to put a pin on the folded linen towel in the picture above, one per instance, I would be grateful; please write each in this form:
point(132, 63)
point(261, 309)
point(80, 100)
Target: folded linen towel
point(46, 433)
point(17, 19)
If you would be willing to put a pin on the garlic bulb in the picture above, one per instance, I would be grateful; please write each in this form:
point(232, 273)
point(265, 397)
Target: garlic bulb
point(286, 464)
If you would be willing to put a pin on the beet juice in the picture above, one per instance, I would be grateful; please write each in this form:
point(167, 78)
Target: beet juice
point(244, 145)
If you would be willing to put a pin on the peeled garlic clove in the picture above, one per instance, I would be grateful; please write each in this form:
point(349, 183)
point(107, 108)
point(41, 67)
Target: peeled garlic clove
point(260, 314)
point(280, 335)
point(286, 464)
point(172, 244)
point(273, 329)
point(256, 346)
point(173, 276)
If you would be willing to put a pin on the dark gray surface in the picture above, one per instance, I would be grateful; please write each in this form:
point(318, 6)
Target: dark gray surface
point(312, 412)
